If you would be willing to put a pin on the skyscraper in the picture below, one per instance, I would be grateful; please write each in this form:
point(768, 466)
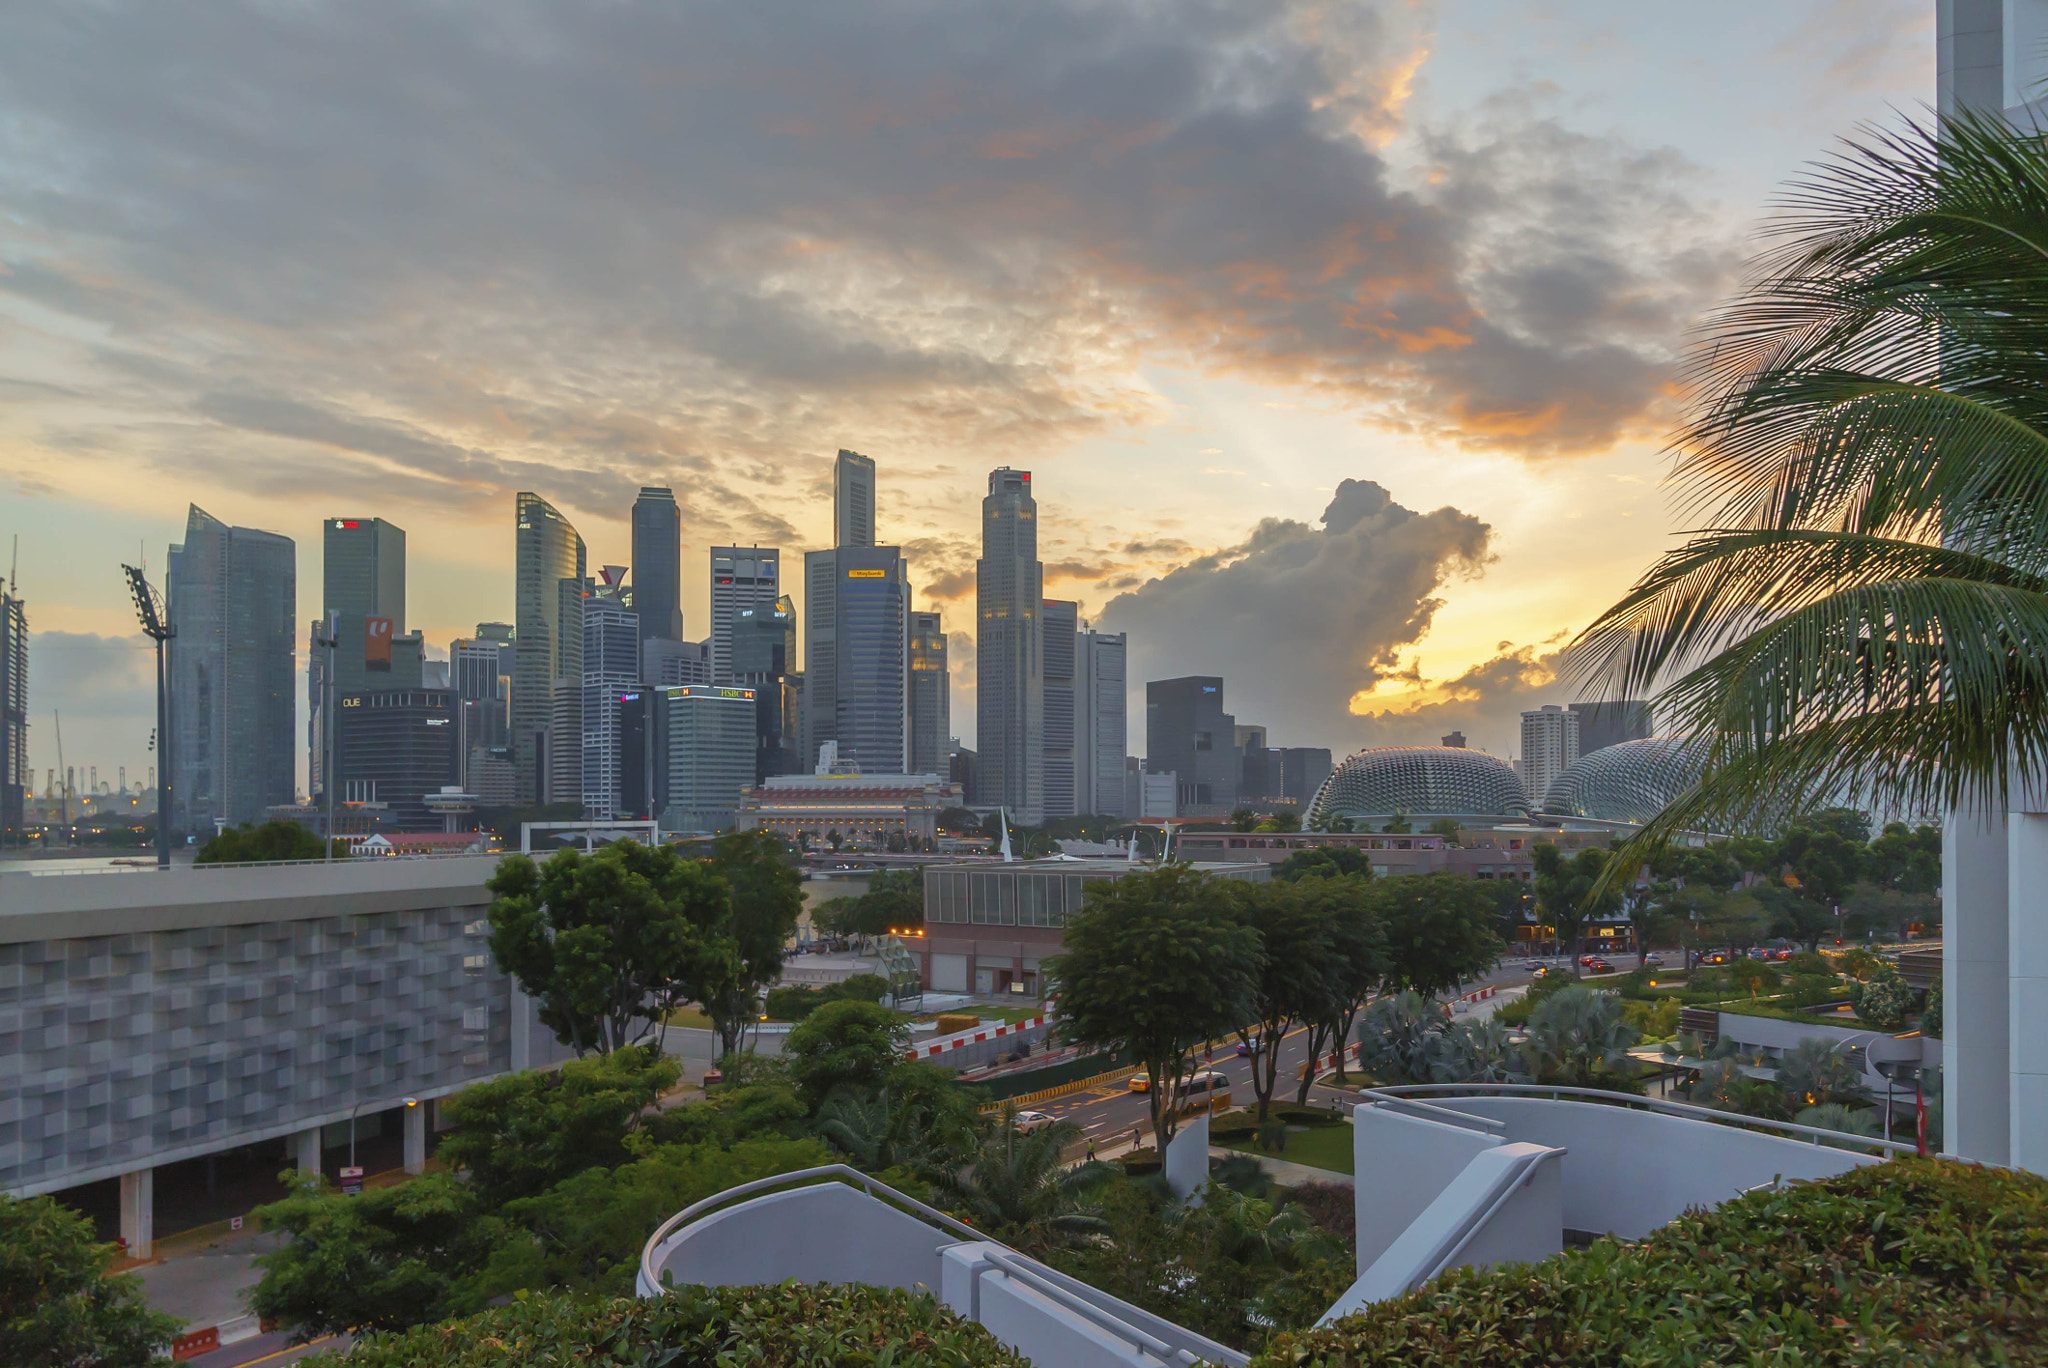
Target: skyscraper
point(1059, 630)
point(853, 500)
point(1550, 741)
point(763, 654)
point(742, 577)
point(233, 597)
point(395, 746)
point(14, 780)
point(611, 669)
point(1188, 734)
point(362, 580)
point(1101, 722)
point(931, 709)
point(856, 656)
point(658, 563)
point(1609, 724)
point(480, 678)
point(546, 551)
point(563, 737)
point(702, 743)
point(1009, 669)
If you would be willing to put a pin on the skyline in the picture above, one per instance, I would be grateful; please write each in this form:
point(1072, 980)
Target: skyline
point(302, 349)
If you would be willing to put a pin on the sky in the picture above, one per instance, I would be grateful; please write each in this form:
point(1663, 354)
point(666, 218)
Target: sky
point(1340, 339)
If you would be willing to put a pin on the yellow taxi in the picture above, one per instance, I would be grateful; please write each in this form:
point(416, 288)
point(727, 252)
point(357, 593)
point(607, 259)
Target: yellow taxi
point(1139, 1083)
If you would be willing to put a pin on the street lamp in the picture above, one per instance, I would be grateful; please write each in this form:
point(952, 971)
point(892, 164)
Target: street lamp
point(408, 1101)
point(156, 626)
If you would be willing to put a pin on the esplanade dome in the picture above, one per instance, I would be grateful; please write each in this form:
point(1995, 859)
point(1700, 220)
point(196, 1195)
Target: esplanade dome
point(1428, 780)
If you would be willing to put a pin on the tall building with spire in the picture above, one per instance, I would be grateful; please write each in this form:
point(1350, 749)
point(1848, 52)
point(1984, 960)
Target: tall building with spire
point(1009, 668)
point(546, 551)
point(233, 598)
point(658, 563)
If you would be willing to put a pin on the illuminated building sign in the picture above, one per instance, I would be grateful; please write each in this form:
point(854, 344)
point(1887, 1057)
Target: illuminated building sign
point(866, 574)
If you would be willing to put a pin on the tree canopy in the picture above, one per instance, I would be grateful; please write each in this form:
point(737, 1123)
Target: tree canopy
point(58, 1306)
point(268, 843)
point(764, 898)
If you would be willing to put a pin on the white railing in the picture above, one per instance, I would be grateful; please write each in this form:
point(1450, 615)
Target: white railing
point(189, 867)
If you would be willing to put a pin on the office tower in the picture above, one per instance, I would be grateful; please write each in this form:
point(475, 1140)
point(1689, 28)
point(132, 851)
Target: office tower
point(1101, 723)
point(1550, 741)
point(702, 739)
point(1302, 771)
point(742, 577)
point(763, 650)
point(1134, 787)
point(611, 668)
point(856, 657)
point(963, 767)
point(562, 738)
point(362, 580)
point(853, 500)
point(14, 776)
point(1188, 734)
point(546, 551)
point(658, 563)
point(482, 683)
point(1009, 674)
point(1258, 766)
point(931, 707)
point(395, 746)
point(1609, 724)
point(233, 593)
point(1059, 622)
point(666, 663)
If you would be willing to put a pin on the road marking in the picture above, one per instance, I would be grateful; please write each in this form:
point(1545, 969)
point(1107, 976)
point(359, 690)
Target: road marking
point(292, 1349)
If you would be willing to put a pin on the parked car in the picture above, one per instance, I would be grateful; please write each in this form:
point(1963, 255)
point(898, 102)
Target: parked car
point(1653, 962)
point(1717, 957)
point(1029, 1121)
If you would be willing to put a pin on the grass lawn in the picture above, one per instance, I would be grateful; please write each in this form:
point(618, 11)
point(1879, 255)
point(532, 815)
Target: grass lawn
point(1323, 1147)
point(689, 1016)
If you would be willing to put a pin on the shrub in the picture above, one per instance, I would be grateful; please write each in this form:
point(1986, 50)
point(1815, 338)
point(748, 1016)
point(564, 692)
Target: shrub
point(1138, 1163)
point(1810, 962)
point(1273, 1136)
point(1810, 990)
point(1911, 1262)
point(698, 1327)
point(1814, 1073)
point(1882, 999)
point(1331, 1206)
point(1930, 1016)
point(1233, 1126)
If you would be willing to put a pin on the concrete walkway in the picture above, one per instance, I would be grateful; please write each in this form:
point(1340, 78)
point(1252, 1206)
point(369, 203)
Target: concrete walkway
point(1288, 1174)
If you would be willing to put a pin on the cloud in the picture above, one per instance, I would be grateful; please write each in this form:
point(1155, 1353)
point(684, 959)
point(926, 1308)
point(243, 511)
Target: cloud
point(1484, 702)
point(449, 251)
point(1299, 619)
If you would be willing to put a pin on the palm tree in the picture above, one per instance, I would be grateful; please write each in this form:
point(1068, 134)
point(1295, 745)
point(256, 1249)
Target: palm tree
point(1866, 611)
point(1578, 1034)
point(1016, 1183)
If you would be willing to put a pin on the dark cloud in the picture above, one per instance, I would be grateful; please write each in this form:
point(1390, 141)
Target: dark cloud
point(1298, 619)
point(686, 243)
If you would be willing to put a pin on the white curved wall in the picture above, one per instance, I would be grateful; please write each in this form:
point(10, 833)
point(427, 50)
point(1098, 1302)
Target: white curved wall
point(829, 1233)
point(1629, 1172)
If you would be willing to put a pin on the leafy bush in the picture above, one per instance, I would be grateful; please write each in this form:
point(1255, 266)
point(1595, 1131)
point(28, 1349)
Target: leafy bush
point(56, 1304)
point(1810, 962)
point(1810, 990)
point(1882, 998)
point(1723, 1086)
point(1818, 1072)
point(1331, 1206)
point(699, 1327)
point(1905, 1263)
point(1579, 1037)
point(1656, 1020)
point(1836, 1117)
point(1930, 1016)
point(1138, 1163)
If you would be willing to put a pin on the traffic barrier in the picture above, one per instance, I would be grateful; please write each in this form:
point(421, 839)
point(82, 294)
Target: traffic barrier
point(963, 1040)
point(197, 1343)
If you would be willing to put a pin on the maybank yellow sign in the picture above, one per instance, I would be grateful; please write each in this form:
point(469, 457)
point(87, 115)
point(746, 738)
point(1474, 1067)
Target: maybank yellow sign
point(866, 574)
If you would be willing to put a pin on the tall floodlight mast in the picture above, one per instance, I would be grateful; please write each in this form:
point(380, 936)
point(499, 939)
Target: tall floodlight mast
point(149, 607)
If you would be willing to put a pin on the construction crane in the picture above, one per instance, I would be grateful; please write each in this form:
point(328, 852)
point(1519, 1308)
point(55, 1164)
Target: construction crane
point(64, 794)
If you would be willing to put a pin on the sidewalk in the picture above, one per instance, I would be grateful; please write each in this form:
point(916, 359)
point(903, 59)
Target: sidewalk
point(1288, 1174)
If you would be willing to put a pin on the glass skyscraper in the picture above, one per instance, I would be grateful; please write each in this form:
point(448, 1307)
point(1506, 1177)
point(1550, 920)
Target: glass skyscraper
point(853, 500)
point(611, 669)
point(1059, 630)
point(233, 599)
point(658, 563)
point(546, 551)
point(1101, 723)
point(1188, 734)
point(742, 577)
point(931, 708)
point(1009, 670)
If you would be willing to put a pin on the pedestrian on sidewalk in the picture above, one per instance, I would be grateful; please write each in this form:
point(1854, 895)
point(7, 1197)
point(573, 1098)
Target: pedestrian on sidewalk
point(1091, 1149)
point(1134, 1136)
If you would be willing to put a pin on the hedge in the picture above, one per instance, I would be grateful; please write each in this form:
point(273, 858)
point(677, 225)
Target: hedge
point(697, 1327)
point(1911, 1262)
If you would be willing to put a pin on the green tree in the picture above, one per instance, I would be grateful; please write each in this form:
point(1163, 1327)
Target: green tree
point(1155, 963)
point(1579, 1037)
point(1286, 819)
point(1863, 610)
point(58, 1306)
point(1906, 860)
point(1399, 825)
point(607, 942)
point(385, 1260)
point(1243, 818)
point(1569, 893)
point(1439, 931)
point(844, 1045)
point(1016, 1185)
point(1358, 965)
point(1325, 860)
point(764, 898)
point(520, 1134)
point(1447, 827)
point(1298, 944)
point(1851, 824)
point(270, 842)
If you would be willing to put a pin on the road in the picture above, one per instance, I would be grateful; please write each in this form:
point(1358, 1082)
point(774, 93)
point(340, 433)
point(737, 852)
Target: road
point(271, 1351)
point(1107, 1113)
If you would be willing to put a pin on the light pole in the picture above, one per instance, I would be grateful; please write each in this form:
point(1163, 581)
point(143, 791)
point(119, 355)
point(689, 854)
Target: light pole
point(156, 626)
point(330, 640)
point(408, 1101)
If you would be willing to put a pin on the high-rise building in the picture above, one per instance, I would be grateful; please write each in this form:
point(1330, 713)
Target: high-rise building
point(853, 500)
point(395, 746)
point(658, 563)
point(1059, 624)
point(856, 656)
point(611, 669)
point(546, 552)
point(668, 664)
point(1009, 665)
point(563, 737)
point(963, 767)
point(14, 778)
point(233, 593)
point(480, 677)
point(763, 652)
point(362, 581)
point(1101, 723)
point(1188, 734)
point(1550, 741)
point(742, 577)
point(931, 708)
point(1609, 724)
point(1258, 766)
point(702, 741)
point(1456, 740)
point(1302, 772)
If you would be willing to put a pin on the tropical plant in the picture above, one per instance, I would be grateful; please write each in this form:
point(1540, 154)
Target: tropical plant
point(1016, 1184)
point(1862, 614)
point(1579, 1036)
point(1882, 999)
point(1930, 1016)
point(1834, 1116)
point(1396, 1039)
point(1473, 1052)
point(1724, 1086)
point(1816, 1073)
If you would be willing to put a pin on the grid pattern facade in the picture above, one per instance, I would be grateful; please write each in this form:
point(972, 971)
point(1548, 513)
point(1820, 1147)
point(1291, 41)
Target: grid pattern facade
point(1437, 780)
point(1101, 723)
point(1016, 895)
point(931, 705)
point(1550, 741)
point(706, 738)
point(743, 579)
point(118, 1049)
point(1009, 668)
point(611, 666)
point(1059, 627)
point(395, 747)
point(546, 551)
point(853, 500)
point(821, 654)
point(871, 645)
point(233, 600)
point(1631, 782)
point(362, 576)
